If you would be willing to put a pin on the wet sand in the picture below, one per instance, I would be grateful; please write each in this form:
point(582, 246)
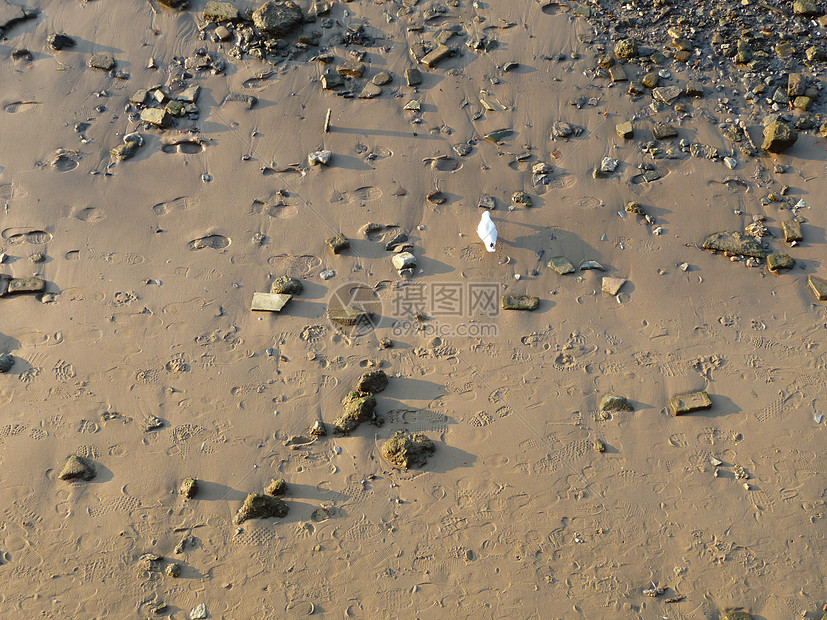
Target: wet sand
point(151, 264)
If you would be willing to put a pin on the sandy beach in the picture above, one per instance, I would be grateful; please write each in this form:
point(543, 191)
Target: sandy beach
point(656, 177)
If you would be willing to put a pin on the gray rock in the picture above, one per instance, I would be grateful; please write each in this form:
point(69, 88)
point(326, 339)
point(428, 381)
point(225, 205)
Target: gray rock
point(102, 61)
point(10, 14)
point(319, 158)
point(77, 468)
point(318, 429)
point(124, 151)
point(779, 262)
point(613, 403)
point(220, 12)
point(807, 8)
point(151, 423)
point(650, 80)
point(796, 85)
point(625, 130)
point(22, 54)
point(372, 382)
point(815, 54)
point(779, 96)
point(399, 240)
point(487, 202)
point(181, 5)
point(618, 74)
point(498, 135)
point(276, 488)
point(382, 78)
point(156, 116)
point(370, 91)
point(403, 260)
point(779, 136)
point(408, 450)
point(792, 231)
point(332, 80)
point(358, 408)
point(687, 403)
point(413, 77)
point(189, 94)
point(730, 162)
point(11, 286)
point(338, 243)
point(541, 168)
point(608, 165)
point(199, 612)
point(561, 265)
point(611, 286)
point(352, 68)
point(60, 41)
point(818, 286)
point(666, 94)
point(6, 363)
point(735, 243)
point(626, 49)
point(520, 302)
point(694, 89)
point(188, 488)
point(286, 285)
point(520, 198)
point(434, 57)
point(662, 131)
point(260, 506)
point(139, 97)
point(348, 316)
point(278, 18)
point(561, 129)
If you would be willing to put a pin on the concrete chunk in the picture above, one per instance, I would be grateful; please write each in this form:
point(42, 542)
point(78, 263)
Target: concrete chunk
point(687, 403)
point(431, 59)
point(792, 231)
point(26, 285)
point(220, 11)
point(818, 286)
point(156, 116)
point(270, 302)
point(520, 302)
point(735, 243)
point(612, 285)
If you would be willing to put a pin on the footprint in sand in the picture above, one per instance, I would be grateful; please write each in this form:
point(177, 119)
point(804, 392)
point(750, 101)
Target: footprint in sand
point(216, 242)
point(278, 210)
point(480, 419)
point(295, 266)
point(187, 148)
point(21, 235)
point(553, 8)
point(65, 163)
point(90, 214)
point(182, 203)
point(589, 202)
point(360, 194)
point(444, 164)
point(20, 106)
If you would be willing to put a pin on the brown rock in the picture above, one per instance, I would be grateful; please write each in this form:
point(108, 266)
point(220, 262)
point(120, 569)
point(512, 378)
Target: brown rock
point(792, 231)
point(779, 136)
point(818, 286)
point(612, 285)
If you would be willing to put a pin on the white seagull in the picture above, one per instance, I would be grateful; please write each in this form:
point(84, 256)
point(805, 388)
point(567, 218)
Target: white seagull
point(487, 232)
